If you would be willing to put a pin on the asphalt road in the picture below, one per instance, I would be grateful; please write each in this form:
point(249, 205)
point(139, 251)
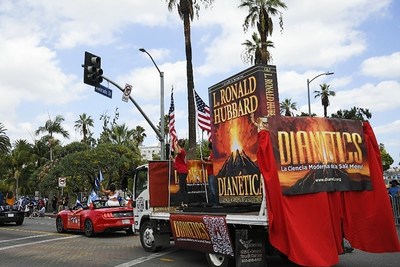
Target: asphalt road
point(36, 243)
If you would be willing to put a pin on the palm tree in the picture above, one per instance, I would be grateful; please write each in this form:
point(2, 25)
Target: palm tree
point(83, 126)
point(252, 52)
point(325, 93)
point(186, 10)
point(260, 12)
point(139, 134)
point(121, 135)
point(51, 127)
point(4, 140)
point(287, 107)
point(21, 156)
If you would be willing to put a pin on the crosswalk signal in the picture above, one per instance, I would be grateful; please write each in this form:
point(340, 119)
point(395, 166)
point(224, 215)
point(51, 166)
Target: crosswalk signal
point(92, 70)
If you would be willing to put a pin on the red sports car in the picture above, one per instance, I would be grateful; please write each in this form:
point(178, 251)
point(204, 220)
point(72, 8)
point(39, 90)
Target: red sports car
point(95, 218)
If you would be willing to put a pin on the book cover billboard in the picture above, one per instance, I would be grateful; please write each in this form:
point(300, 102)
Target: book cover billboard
point(239, 108)
point(319, 154)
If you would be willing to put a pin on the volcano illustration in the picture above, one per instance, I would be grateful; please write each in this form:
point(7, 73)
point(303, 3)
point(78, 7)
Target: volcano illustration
point(238, 163)
point(328, 180)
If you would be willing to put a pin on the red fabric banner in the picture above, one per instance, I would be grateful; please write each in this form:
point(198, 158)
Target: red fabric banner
point(309, 228)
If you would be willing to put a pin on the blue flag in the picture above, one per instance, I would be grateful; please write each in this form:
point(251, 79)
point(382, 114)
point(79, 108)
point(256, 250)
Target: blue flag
point(101, 177)
point(93, 196)
point(96, 183)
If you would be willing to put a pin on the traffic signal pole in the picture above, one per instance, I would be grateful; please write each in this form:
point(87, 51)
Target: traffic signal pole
point(93, 75)
point(160, 137)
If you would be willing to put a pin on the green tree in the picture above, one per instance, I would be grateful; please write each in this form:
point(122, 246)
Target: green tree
point(387, 160)
point(5, 144)
point(52, 127)
point(187, 9)
point(287, 107)
point(260, 15)
point(83, 125)
point(121, 135)
point(324, 93)
point(354, 113)
point(80, 167)
point(21, 157)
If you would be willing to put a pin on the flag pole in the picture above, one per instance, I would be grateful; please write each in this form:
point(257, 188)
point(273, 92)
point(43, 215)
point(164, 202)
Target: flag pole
point(201, 152)
point(170, 148)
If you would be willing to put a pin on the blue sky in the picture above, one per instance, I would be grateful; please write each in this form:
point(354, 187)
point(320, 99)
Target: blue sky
point(42, 45)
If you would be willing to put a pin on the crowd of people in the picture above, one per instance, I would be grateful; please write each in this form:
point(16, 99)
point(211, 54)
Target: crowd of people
point(394, 188)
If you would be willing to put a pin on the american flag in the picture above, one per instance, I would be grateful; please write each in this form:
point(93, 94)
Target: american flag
point(203, 115)
point(171, 125)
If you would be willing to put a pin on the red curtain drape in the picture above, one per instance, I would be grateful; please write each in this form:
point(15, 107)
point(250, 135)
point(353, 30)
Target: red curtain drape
point(309, 228)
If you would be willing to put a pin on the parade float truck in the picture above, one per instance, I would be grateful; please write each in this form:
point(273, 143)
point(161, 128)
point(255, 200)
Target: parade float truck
point(286, 185)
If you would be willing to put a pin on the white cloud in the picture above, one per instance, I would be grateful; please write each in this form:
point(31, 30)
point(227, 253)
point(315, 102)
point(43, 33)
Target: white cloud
point(384, 96)
point(383, 66)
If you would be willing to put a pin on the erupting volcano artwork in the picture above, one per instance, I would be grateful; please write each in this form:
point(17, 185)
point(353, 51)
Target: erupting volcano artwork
point(319, 154)
point(239, 106)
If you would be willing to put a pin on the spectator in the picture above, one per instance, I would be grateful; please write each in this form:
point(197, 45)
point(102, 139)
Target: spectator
point(1, 199)
point(46, 202)
point(65, 202)
point(41, 203)
point(394, 189)
point(42, 211)
point(54, 201)
point(182, 169)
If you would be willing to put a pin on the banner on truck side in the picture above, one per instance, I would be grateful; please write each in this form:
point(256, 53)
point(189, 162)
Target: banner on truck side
point(164, 184)
point(319, 154)
point(201, 232)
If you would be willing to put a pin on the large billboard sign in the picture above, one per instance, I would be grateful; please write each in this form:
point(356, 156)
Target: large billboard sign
point(319, 154)
point(239, 105)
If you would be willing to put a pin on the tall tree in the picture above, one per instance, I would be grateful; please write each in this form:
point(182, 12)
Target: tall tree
point(187, 9)
point(287, 107)
point(5, 144)
point(21, 156)
point(252, 52)
point(324, 93)
point(139, 134)
point(260, 15)
point(83, 125)
point(52, 127)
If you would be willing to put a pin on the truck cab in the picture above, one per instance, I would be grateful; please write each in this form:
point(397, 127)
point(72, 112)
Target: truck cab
point(221, 232)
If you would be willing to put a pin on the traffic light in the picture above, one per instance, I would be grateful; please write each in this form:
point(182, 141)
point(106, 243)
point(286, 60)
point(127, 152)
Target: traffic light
point(92, 70)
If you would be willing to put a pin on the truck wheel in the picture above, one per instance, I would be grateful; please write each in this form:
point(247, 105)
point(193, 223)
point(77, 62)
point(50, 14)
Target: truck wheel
point(147, 237)
point(219, 260)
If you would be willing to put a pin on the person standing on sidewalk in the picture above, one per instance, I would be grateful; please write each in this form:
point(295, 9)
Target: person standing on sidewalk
point(54, 202)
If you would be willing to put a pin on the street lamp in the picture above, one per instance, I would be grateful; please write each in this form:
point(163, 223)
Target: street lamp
point(308, 89)
point(162, 124)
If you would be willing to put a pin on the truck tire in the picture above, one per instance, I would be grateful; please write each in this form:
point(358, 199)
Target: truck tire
point(219, 260)
point(148, 238)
